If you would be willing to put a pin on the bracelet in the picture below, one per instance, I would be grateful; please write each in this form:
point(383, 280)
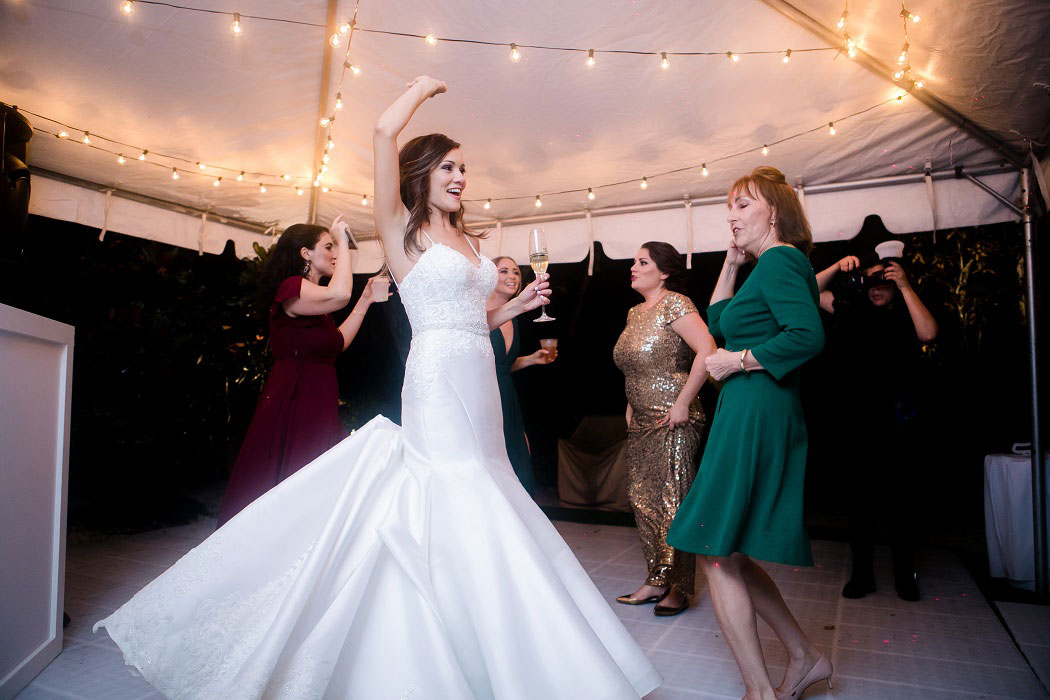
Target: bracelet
point(743, 354)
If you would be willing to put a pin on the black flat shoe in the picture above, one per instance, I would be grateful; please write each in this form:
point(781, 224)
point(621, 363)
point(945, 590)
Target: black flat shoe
point(858, 587)
point(667, 611)
point(908, 589)
point(626, 599)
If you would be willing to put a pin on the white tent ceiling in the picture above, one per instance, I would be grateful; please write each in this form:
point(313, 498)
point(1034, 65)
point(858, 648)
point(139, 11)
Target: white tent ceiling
point(178, 83)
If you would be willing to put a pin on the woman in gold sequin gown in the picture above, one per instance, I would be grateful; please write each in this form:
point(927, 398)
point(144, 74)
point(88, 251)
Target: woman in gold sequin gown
point(661, 353)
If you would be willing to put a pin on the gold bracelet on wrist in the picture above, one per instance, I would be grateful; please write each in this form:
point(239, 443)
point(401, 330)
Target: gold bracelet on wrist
point(743, 354)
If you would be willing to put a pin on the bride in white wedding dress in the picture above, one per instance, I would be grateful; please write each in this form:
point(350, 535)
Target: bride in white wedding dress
point(404, 563)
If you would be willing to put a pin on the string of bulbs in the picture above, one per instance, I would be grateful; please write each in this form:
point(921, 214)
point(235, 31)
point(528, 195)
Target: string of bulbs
point(903, 72)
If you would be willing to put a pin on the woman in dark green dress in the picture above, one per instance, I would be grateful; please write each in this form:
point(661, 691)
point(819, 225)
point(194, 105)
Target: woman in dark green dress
point(505, 349)
point(747, 498)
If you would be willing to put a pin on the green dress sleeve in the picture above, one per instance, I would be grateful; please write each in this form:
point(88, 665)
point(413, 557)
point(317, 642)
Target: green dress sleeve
point(714, 312)
point(788, 287)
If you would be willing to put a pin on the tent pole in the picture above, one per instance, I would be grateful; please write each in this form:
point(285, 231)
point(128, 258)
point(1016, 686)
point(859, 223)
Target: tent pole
point(882, 70)
point(1038, 470)
point(322, 104)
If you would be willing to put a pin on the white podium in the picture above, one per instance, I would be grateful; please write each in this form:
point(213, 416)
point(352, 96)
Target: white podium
point(36, 373)
point(1008, 522)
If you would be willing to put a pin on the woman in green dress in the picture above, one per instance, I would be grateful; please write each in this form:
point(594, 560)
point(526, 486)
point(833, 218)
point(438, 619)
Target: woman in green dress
point(505, 349)
point(746, 501)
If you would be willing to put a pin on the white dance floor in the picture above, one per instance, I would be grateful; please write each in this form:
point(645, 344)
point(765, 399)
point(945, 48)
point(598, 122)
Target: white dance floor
point(951, 645)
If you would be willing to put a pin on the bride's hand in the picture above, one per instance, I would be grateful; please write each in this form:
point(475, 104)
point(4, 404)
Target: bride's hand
point(536, 294)
point(430, 86)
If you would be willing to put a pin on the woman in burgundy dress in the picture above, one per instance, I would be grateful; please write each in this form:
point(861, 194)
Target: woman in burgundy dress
point(296, 418)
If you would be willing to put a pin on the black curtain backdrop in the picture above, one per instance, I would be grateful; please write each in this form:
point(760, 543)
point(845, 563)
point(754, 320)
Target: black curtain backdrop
point(170, 356)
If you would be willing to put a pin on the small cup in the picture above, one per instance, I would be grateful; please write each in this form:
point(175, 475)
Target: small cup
point(380, 288)
point(551, 346)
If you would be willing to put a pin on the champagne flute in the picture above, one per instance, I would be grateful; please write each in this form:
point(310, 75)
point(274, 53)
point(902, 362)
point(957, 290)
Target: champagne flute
point(538, 259)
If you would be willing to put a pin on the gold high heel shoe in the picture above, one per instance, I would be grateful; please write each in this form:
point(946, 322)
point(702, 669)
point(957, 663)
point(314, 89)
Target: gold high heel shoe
point(821, 671)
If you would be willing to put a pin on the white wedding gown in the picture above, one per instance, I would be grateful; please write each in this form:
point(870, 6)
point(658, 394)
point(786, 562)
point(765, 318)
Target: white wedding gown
point(403, 564)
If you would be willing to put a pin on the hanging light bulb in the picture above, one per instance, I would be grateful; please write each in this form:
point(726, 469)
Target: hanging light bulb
point(703, 169)
point(299, 191)
point(286, 177)
point(325, 158)
point(488, 203)
point(515, 55)
point(236, 29)
point(852, 52)
point(121, 160)
point(590, 58)
point(87, 138)
point(344, 28)
point(127, 7)
point(364, 200)
point(915, 19)
point(353, 69)
point(142, 156)
point(325, 121)
point(217, 181)
point(338, 100)
point(62, 134)
point(787, 56)
point(841, 24)
point(539, 202)
point(644, 184)
point(907, 15)
point(903, 58)
point(240, 176)
point(431, 40)
point(201, 166)
point(174, 174)
point(920, 84)
point(326, 188)
point(735, 57)
point(765, 150)
point(664, 62)
point(831, 128)
point(590, 194)
point(898, 74)
point(317, 181)
point(330, 145)
point(334, 41)
point(324, 168)
point(262, 188)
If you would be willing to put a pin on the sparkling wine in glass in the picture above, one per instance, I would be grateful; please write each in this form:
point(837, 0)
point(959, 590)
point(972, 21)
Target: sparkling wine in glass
point(538, 259)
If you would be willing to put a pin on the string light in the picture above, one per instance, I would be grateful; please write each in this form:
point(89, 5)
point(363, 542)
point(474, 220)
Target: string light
point(590, 194)
point(644, 184)
point(121, 160)
point(324, 168)
point(903, 58)
point(900, 98)
point(841, 24)
point(262, 188)
point(325, 121)
point(142, 156)
point(344, 28)
point(334, 41)
point(364, 200)
point(331, 144)
point(325, 159)
point(286, 177)
point(217, 181)
point(515, 55)
point(908, 16)
point(735, 58)
point(240, 176)
point(488, 203)
point(174, 174)
point(431, 40)
point(703, 169)
point(338, 100)
point(919, 84)
point(590, 58)
point(236, 28)
point(87, 138)
point(127, 7)
point(353, 69)
point(201, 166)
point(326, 188)
point(317, 182)
point(899, 74)
point(62, 134)
point(787, 56)
point(664, 62)
point(765, 150)
point(299, 191)
point(831, 128)
point(539, 202)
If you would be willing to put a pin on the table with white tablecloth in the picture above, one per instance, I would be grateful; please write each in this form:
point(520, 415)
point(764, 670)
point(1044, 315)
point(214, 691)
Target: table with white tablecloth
point(1008, 519)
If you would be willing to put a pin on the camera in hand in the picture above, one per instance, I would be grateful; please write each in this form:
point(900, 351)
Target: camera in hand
point(850, 287)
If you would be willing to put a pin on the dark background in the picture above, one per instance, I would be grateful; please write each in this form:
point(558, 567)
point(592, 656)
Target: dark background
point(170, 356)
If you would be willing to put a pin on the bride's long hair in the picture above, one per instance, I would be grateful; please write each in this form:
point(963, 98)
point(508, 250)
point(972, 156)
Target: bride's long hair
point(416, 160)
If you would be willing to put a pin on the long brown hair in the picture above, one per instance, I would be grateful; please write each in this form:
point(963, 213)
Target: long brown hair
point(416, 160)
point(668, 261)
point(770, 184)
point(285, 260)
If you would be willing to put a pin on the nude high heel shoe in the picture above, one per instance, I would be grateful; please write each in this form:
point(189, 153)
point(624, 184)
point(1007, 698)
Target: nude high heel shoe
point(821, 671)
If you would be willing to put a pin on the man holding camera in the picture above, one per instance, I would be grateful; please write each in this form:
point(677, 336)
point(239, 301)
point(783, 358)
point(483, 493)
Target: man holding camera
point(881, 326)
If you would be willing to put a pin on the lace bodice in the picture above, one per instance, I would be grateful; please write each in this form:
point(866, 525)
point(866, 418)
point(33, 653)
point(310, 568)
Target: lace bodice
point(445, 291)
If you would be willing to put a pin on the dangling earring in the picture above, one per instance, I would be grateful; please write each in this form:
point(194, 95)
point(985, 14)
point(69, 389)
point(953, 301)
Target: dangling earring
point(306, 269)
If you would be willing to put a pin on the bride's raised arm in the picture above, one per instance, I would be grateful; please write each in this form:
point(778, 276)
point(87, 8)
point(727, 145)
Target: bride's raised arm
point(390, 213)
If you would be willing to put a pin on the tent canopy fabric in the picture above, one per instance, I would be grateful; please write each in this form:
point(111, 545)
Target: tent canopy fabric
point(179, 84)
